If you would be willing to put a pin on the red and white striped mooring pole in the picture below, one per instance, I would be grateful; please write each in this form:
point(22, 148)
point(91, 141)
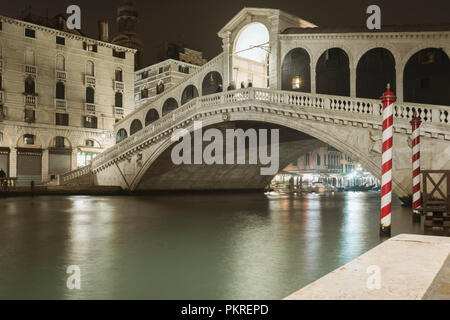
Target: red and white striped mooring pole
point(388, 99)
point(415, 123)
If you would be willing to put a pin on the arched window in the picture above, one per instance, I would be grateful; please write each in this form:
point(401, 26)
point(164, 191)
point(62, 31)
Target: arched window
point(169, 105)
point(60, 91)
point(29, 86)
point(121, 135)
point(136, 125)
point(118, 75)
point(60, 63)
point(160, 87)
point(118, 100)
point(212, 83)
point(375, 70)
point(189, 93)
point(296, 71)
point(151, 116)
point(333, 73)
point(29, 57)
point(426, 78)
point(90, 93)
point(90, 68)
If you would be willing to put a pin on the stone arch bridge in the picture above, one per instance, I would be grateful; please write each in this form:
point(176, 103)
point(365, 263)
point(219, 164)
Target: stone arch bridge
point(343, 113)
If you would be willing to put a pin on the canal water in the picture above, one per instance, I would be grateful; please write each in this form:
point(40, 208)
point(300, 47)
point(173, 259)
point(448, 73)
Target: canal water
point(192, 246)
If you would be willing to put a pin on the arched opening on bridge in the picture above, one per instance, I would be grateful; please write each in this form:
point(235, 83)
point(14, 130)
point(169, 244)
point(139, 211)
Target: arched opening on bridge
point(169, 105)
point(121, 135)
point(212, 83)
point(135, 126)
point(151, 116)
point(296, 71)
point(251, 56)
point(375, 69)
point(59, 155)
point(426, 78)
point(189, 93)
point(333, 73)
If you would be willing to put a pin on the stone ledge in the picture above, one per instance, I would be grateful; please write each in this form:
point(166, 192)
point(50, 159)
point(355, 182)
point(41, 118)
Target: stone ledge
point(408, 265)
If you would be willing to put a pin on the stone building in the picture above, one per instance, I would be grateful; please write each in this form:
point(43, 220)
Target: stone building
point(60, 95)
point(155, 79)
point(175, 51)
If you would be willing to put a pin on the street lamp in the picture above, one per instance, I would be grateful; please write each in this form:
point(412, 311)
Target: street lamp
point(296, 82)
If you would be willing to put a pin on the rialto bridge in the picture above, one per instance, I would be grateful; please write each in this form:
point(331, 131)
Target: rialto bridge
point(277, 70)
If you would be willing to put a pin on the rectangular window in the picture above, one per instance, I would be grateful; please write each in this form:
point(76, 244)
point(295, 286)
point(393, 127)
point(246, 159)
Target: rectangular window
point(161, 70)
point(62, 119)
point(30, 116)
point(90, 47)
point(144, 93)
point(90, 122)
point(307, 159)
point(1, 25)
point(183, 69)
point(30, 33)
point(59, 142)
point(119, 54)
point(28, 139)
point(61, 40)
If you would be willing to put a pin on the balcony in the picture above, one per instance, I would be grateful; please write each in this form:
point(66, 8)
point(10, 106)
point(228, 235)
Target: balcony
point(30, 100)
point(118, 112)
point(89, 80)
point(31, 70)
point(61, 75)
point(60, 105)
point(89, 108)
point(119, 85)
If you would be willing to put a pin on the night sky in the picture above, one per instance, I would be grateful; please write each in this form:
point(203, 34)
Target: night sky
point(196, 22)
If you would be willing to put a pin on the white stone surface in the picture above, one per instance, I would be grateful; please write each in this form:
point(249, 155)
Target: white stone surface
point(408, 265)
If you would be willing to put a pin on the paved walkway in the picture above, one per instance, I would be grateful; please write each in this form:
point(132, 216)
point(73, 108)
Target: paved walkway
point(440, 288)
point(406, 267)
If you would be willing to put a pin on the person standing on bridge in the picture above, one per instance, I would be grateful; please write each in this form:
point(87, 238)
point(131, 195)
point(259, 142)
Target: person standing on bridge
point(2, 174)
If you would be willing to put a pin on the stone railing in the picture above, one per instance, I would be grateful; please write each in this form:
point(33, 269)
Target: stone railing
point(60, 105)
point(30, 69)
point(65, 177)
point(344, 108)
point(60, 75)
point(89, 80)
point(209, 66)
point(30, 100)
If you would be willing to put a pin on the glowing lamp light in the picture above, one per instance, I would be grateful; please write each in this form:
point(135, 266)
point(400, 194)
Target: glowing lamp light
point(296, 82)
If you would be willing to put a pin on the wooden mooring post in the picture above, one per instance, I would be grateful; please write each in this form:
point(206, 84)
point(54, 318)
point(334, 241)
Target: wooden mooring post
point(436, 200)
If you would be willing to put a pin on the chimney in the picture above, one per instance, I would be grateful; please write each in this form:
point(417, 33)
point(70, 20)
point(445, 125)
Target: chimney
point(103, 31)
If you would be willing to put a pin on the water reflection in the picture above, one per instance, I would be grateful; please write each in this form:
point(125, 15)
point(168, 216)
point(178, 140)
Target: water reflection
point(214, 246)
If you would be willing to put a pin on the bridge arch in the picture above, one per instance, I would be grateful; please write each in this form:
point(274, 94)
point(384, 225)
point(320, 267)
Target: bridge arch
point(296, 71)
point(121, 135)
point(333, 73)
point(212, 83)
point(426, 77)
point(151, 116)
point(357, 151)
point(169, 105)
point(189, 93)
point(136, 125)
point(374, 70)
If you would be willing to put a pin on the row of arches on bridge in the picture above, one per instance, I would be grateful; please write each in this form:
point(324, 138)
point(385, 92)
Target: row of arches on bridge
point(426, 79)
point(426, 76)
point(212, 83)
